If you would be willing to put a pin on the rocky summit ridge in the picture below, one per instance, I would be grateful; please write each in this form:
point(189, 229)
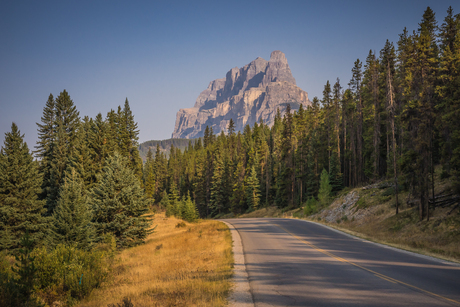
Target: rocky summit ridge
point(246, 95)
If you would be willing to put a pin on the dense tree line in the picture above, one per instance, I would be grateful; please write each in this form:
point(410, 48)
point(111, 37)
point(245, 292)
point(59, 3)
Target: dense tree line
point(86, 183)
point(397, 118)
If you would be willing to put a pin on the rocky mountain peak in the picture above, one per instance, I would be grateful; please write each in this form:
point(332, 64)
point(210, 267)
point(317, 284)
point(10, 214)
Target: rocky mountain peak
point(278, 56)
point(248, 94)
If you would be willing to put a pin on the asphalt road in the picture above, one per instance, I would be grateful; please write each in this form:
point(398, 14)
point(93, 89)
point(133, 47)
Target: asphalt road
point(298, 263)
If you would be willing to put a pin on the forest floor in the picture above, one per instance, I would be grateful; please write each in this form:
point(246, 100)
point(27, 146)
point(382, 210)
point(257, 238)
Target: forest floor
point(369, 212)
point(181, 264)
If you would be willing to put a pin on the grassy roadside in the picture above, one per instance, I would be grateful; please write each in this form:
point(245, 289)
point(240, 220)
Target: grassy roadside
point(181, 264)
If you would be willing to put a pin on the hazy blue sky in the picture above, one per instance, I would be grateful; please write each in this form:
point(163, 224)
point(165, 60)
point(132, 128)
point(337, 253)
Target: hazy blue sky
point(162, 54)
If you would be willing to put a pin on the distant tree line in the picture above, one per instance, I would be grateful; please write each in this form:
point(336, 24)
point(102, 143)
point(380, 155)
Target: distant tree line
point(397, 118)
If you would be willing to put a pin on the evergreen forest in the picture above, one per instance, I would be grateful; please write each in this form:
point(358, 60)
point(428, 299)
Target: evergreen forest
point(396, 118)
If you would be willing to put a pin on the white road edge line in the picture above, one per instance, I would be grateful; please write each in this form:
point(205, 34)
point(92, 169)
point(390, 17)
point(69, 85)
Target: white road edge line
point(241, 294)
point(438, 260)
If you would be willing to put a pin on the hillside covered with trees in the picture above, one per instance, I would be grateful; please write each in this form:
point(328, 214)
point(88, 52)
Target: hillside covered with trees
point(397, 117)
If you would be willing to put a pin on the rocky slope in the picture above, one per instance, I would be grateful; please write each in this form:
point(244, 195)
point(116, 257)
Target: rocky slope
point(246, 95)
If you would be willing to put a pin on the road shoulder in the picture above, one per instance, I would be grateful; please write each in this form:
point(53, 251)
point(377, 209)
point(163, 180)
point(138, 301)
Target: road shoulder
point(241, 294)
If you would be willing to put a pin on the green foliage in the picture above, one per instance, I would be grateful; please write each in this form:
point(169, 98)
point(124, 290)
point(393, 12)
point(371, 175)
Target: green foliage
point(20, 209)
point(69, 272)
point(335, 177)
point(252, 190)
point(126, 302)
point(164, 146)
point(325, 189)
point(64, 139)
point(164, 203)
point(189, 212)
point(149, 176)
point(18, 286)
point(119, 205)
point(361, 203)
point(174, 202)
point(71, 221)
point(310, 206)
point(181, 225)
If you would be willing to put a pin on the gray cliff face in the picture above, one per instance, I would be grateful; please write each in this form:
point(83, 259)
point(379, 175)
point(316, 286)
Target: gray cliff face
point(246, 95)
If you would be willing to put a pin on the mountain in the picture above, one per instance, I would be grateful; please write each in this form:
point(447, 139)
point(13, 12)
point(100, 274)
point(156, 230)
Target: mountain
point(165, 146)
point(246, 95)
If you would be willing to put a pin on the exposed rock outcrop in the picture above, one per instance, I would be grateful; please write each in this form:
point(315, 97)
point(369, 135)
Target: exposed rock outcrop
point(246, 95)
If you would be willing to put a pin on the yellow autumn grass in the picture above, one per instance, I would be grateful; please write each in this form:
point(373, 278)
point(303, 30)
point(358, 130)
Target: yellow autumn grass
point(177, 266)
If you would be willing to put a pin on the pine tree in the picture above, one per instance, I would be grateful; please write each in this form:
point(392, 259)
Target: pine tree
point(20, 184)
point(189, 212)
point(65, 133)
point(252, 190)
point(174, 201)
point(335, 177)
point(325, 189)
point(26, 271)
point(419, 112)
point(44, 146)
point(217, 185)
point(149, 175)
point(355, 85)
point(97, 145)
point(164, 203)
point(119, 205)
point(71, 223)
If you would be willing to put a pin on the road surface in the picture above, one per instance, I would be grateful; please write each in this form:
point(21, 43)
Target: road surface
point(298, 263)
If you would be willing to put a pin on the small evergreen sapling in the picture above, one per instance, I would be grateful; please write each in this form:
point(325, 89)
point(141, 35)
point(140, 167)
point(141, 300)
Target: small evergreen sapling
point(325, 189)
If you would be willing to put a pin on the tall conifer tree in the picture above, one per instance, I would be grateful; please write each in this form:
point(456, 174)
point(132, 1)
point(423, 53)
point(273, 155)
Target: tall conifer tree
point(71, 222)
point(20, 184)
point(119, 205)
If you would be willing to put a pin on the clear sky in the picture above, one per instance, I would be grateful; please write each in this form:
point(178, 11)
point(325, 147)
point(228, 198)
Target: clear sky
point(162, 54)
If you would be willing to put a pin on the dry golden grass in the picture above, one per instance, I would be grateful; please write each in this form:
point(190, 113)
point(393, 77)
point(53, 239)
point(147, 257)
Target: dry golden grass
point(178, 266)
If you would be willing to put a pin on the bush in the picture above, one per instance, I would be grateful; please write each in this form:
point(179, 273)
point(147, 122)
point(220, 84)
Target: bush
point(67, 273)
point(310, 207)
point(17, 282)
point(391, 191)
point(126, 302)
point(180, 225)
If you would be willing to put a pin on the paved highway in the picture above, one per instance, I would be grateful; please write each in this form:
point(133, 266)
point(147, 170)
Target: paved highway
point(299, 263)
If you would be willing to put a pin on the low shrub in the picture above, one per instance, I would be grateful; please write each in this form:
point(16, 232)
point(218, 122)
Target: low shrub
point(181, 224)
point(69, 274)
point(311, 207)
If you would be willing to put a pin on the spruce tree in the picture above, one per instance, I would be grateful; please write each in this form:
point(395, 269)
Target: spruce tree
point(71, 223)
point(189, 212)
point(335, 177)
point(164, 203)
point(20, 184)
point(325, 189)
point(119, 205)
point(217, 186)
point(174, 200)
point(252, 190)
point(149, 175)
point(44, 146)
point(66, 124)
